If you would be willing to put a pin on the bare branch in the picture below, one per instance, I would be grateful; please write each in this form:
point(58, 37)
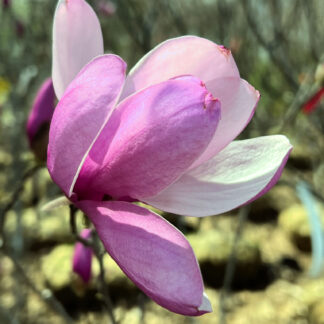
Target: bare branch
point(94, 243)
point(277, 59)
point(230, 266)
point(29, 173)
point(46, 295)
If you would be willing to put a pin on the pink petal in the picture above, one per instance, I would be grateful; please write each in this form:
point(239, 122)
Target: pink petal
point(82, 257)
point(79, 116)
point(77, 39)
point(150, 140)
point(239, 100)
point(152, 253)
point(215, 66)
point(239, 174)
point(42, 109)
point(183, 55)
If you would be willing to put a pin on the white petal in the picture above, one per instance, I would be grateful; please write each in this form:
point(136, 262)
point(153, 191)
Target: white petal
point(77, 39)
point(240, 173)
point(180, 56)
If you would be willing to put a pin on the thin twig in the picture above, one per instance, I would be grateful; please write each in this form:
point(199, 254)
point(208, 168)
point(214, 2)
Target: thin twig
point(310, 14)
point(48, 298)
point(7, 316)
point(230, 266)
point(74, 229)
point(104, 288)
point(134, 24)
point(29, 173)
point(176, 16)
point(301, 96)
point(281, 62)
point(95, 245)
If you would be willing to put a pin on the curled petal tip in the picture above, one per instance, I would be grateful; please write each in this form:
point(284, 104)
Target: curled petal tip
point(211, 103)
point(256, 94)
point(205, 306)
point(224, 50)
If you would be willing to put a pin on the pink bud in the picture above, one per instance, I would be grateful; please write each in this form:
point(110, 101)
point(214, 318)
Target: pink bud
point(39, 119)
point(107, 8)
point(82, 257)
point(5, 3)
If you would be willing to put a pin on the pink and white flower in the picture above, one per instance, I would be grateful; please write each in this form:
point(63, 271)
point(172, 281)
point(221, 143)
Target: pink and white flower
point(163, 135)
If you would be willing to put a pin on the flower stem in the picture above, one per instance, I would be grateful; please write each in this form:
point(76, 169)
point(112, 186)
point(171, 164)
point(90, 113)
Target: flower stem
point(231, 263)
point(95, 245)
point(15, 195)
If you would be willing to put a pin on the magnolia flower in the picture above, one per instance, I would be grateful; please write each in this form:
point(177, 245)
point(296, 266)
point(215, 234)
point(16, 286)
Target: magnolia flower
point(163, 135)
point(39, 119)
point(82, 257)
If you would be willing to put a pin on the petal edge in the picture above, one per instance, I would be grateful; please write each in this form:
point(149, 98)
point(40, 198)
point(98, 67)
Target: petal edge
point(79, 116)
point(152, 253)
point(236, 176)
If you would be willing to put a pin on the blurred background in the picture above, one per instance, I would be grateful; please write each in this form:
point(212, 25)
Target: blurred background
point(257, 262)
